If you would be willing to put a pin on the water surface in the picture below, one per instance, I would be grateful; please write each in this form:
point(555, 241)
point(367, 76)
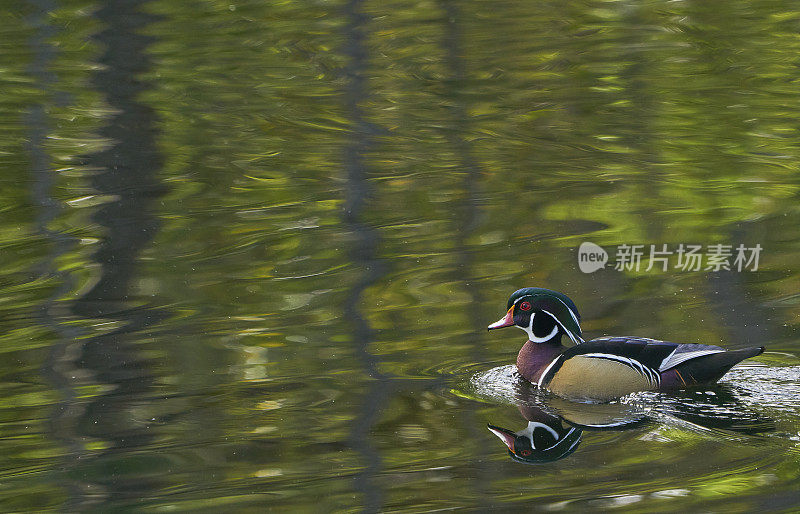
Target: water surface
point(250, 249)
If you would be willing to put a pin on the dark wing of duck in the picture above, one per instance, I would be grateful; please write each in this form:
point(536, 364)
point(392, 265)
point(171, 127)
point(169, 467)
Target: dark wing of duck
point(662, 363)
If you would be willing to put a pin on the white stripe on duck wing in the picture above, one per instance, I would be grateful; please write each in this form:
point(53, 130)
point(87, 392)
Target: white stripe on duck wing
point(681, 352)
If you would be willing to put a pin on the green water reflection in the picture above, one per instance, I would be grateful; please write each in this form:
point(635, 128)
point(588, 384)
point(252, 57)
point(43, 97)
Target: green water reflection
point(250, 249)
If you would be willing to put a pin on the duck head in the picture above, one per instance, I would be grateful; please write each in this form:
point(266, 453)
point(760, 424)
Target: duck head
point(543, 314)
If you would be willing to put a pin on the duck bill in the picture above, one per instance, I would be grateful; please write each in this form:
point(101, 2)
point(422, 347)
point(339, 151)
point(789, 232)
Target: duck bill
point(505, 435)
point(506, 321)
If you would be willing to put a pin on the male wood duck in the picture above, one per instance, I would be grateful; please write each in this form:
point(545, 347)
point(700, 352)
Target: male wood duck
point(607, 367)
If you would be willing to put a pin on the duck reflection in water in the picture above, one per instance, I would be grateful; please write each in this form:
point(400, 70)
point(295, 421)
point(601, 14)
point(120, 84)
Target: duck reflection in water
point(555, 426)
point(545, 439)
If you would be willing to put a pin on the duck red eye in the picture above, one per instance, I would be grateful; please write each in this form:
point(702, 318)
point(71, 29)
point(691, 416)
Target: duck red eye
point(525, 306)
point(525, 453)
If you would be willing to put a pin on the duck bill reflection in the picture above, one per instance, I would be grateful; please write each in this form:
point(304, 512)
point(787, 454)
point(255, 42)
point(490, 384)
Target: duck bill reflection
point(505, 321)
point(505, 435)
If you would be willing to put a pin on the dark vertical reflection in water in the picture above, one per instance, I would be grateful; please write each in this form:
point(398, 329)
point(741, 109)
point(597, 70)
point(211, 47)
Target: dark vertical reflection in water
point(746, 321)
point(127, 173)
point(363, 252)
point(56, 368)
point(468, 211)
point(130, 165)
point(467, 217)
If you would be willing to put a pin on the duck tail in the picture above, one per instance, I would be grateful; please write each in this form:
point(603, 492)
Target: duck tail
point(710, 368)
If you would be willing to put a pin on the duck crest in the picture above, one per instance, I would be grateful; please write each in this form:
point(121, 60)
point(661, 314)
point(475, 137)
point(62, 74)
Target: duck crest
point(543, 314)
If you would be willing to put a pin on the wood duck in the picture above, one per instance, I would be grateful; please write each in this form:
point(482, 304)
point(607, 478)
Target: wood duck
point(607, 367)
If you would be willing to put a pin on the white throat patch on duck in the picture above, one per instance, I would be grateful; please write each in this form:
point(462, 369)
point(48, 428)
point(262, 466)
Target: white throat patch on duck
point(542, 325)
